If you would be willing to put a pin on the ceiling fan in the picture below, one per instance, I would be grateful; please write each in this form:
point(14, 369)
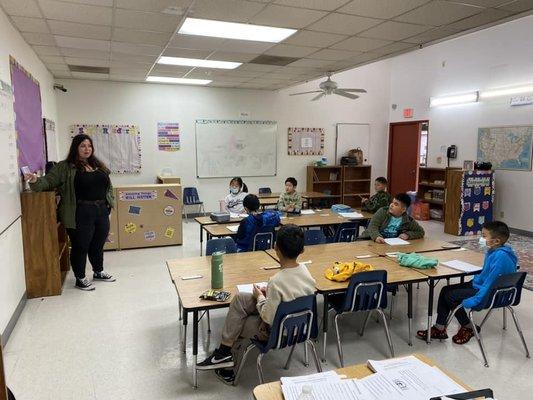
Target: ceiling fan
point(331, 87)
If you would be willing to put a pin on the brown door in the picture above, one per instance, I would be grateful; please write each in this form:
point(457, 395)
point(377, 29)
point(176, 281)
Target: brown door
point(404, 156)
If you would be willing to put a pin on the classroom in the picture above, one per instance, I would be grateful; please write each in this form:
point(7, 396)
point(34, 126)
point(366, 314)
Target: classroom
point(266, 199)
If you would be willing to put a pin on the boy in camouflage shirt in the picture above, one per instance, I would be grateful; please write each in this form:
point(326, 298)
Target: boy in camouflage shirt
point(381, 199)
point(290, 200)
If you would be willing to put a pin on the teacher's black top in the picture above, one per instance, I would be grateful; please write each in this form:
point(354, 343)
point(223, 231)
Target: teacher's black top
point(91, 186)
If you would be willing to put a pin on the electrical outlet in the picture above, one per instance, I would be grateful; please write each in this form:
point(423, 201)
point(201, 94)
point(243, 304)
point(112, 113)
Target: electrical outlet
point(502, 214)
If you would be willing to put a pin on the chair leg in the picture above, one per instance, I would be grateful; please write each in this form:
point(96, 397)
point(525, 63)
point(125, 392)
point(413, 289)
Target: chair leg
point(504, 315)
point(180, 309)
point(339, 345)
point(306, 356)
point(184, 342)
point(208, 322)
point(478, 337)
point(243, 361)
point(315, 355)
point(391, 305)
point(365, 323)
point(387, 332)
point(515, 318)
point(260, 368)
point(288, 363)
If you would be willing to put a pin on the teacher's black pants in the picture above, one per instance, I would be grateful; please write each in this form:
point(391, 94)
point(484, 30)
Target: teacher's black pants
point(89, 237)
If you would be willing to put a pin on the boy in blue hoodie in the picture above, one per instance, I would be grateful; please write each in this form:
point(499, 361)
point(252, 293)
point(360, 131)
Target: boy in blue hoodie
point(500, 259)
point(253, 223)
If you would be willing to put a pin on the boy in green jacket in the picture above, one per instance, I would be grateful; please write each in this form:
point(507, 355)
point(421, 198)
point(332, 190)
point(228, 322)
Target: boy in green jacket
point(381, 199)
point(393, 221)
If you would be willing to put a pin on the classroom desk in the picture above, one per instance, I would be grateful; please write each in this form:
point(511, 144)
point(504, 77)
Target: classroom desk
point(311, 196)
point(324, 255)
point(239, 268)
point(272, 390)
point(203, 221)
point(416, 246)
point(322, 218)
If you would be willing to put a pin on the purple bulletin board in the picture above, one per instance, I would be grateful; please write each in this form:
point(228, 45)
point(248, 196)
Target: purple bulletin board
point(28, 118)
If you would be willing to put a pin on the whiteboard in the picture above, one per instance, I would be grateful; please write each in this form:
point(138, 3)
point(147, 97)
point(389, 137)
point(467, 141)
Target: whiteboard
point(227, 148)
point(9, 174)
point(352, 136)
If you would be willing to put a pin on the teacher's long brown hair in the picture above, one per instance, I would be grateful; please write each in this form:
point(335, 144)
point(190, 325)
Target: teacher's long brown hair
point(93, 161)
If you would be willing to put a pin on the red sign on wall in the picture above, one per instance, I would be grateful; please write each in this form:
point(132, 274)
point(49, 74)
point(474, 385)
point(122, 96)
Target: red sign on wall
point(408, 113)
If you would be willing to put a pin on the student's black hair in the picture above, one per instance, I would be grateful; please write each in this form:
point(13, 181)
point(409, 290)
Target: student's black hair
point(290, 241)
point(404, 199)
point(242, 185)
point(74, 159)
point(498, 229)
point(251, 202)
point(382, 180)
point(292, 180)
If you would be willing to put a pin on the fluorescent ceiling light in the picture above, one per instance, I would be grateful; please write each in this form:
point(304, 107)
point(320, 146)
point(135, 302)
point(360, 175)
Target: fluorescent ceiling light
point(183, 81)
point(194, 62)
point(506, 91)
point(233, 30)
point(454, 99)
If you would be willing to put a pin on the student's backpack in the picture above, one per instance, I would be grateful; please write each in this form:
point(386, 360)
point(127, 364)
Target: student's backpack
point(270, 218)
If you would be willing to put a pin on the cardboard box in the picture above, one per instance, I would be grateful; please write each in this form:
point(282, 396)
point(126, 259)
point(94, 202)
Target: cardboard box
point(168, 179)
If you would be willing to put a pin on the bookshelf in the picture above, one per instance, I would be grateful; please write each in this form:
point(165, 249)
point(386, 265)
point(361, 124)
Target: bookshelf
point(432, 190)
point(356, 184)
point(327, 180)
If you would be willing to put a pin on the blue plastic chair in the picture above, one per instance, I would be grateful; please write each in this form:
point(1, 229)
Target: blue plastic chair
point(263, 239)
point(367, 292)
point(295, 322)
point(191, 198)
point(314, 236)
point(505, 293)
point(264, 190)
point(227, 245)
point(346, 232)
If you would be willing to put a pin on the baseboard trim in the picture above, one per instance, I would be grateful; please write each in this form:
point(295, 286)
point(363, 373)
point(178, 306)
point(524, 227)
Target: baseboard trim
point(521, 232)
point(14, 319)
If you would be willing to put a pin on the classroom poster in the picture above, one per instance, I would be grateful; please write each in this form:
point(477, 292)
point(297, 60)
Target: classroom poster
point(168, 136)
point(306, 141)
point(477, 198)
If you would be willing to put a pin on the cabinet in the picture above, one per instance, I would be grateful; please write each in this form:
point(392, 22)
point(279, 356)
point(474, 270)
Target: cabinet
point(356, 184)
point(432, 189)
point(327, 180)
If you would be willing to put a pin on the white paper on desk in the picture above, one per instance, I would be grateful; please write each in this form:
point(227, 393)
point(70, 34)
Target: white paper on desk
point(307, 212)
point(460, 249)
point(233, 228)
point(461, 266)
point(396, 242)
point(237, 215)
point(249, 288)
point(395, 363)
point(346, 389)
point(329, 376)
point(352, 214)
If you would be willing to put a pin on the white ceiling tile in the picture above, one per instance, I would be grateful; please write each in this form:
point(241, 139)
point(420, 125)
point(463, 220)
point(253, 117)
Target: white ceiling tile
point(47, 50)
point(486, 17)
point(130, 48)
point(391, 30)
point(89, 75)
point(343, 24)
point(61, 74)
point(393, 48)
point(431, 35)
point(257, 67)
point(81, 43)
point(326, 5)
point(333, 55)
point(57, 67)
point(177, 6)
point(310, 63)
point(74, 29)
point(26, 24)
point(136, 69)
point(383, 9)
point(121, 59)
point(23, 8)
point(287, 17)
point(89, 62)
point(186, 53)
point(169, 69)
point(360, 44)
point(146, 21)
point(314, 39)
point(232, 56)
point(196, 74)
point(518, 6)
point(52, 59)
point(103, 3)
point(127, 78)
point(141, 37)
point(196, 42)
point(84, 53)
point(439, 13)
point(43, 39)
point(227, 10)
point(483, 3)
point(293, 70)
point(362, 58)
point(246, 46)
point(76, 12)
point(288, 50)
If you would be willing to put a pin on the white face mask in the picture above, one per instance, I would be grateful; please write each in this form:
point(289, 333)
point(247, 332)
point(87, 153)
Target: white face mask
point(234, 190)
point(483, 242)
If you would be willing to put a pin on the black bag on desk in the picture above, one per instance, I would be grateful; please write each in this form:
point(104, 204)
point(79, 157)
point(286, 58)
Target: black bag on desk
point(348, 161)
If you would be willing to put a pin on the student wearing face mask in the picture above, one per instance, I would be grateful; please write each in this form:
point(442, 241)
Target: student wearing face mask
point(500, 259)
point(237, 193)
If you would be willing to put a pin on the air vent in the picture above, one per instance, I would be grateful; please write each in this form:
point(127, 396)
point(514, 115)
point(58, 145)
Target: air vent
point(273, 60)
point(92, 70)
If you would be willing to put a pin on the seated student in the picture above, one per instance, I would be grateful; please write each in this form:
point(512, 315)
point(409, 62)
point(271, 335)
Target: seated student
point(290, 200)
point(251, 314)
point(500, 259)
point(393, 222)
point(253, 222)
point(381, 199)
point(237, 192)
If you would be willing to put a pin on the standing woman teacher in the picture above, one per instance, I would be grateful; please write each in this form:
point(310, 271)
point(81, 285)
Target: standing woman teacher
point(86, 201)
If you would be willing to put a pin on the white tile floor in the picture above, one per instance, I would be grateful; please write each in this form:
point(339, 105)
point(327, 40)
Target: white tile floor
point(122, 340)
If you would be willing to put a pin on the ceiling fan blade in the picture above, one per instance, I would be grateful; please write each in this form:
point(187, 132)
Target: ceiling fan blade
point(345, 94)
point(318, 97)
point(354, 90)
point(312, 91)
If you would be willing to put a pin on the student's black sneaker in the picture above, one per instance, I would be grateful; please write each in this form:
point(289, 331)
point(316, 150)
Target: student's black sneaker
point(103, 276)
point(84, 284)
point(225, 375)
point(217, 360)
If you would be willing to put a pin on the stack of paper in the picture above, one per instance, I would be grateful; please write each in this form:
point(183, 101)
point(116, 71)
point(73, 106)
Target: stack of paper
point(307, 212)
point(351, 215)
point(236, 215)
point(249, 288)
point(396, 242)
point(461, 266)
point(233, 228)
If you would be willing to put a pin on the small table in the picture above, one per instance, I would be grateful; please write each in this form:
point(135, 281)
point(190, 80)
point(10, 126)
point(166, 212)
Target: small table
point(204, 221)
point(311, 196)
point(322, 218)
point(416, 246)
point(272, 390)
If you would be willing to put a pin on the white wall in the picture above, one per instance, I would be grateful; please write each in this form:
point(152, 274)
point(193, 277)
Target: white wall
point(498, 56)
point(12, 282)
point(147, 104)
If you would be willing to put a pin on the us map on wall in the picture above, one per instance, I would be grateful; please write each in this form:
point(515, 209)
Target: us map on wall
point(306, 141)
point(506, 147)
point(118, 146)
point(477, 199)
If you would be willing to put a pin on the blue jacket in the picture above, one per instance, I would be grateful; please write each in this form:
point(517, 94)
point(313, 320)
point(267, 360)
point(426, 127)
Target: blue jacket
point(499, 261)
point(250, 225)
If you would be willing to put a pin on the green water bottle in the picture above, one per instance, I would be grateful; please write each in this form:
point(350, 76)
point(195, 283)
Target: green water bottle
point(217, 273)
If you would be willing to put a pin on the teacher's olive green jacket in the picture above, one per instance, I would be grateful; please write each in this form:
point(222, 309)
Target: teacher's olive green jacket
point(62, 176)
